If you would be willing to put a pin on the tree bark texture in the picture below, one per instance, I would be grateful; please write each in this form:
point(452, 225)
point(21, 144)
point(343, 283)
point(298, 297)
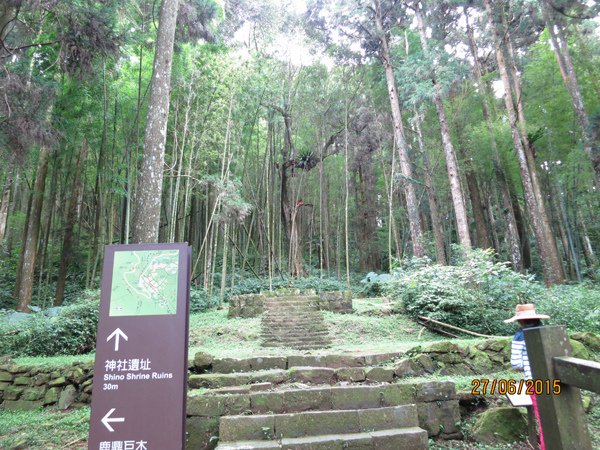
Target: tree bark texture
point(29, 251)
point(436, 223)
point(458, 199)
point(148, 197)
point(569, 76)
point(67, 247)
point(4, 200)
point(512, 233)
point(412, 205)
point(552, 267)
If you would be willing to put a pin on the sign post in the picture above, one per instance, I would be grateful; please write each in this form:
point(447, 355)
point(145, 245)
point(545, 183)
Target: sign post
point(140, 373)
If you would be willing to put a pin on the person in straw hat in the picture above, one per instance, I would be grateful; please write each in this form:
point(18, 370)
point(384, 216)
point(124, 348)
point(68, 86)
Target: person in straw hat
point(527, 318)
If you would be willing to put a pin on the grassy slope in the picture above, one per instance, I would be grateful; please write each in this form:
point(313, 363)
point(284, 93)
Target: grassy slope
point(367, 331)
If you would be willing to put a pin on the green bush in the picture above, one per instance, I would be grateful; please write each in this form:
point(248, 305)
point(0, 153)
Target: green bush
point(200, 301)
point(374, 284)
point(252, 285)
point(71, 331)
point(476, 294)
point(575, 306)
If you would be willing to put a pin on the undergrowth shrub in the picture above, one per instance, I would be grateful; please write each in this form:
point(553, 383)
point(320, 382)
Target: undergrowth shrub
point(476, 294)
point(374, 284)
point(575, 306)
point(252, 285)
point(201, 301)
point(70, 332)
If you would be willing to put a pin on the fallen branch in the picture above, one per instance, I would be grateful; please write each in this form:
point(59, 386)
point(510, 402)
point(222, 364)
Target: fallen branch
point(11, 333)
point(436, 330)
point(452, 327)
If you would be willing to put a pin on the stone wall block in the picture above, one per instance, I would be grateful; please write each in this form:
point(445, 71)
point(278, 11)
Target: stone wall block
point(51, 396)
point(67, 397)
point(13, 392)
point(33, 393)
point(23, 380)
point(439, 417)
point(6, 376)
point(58, 381)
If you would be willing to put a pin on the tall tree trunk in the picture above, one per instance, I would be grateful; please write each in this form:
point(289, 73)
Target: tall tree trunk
point(436, 223)
point(224, 264)
point(4, 201)
point(29, 250)
point(567, 71)
point(544, 217)
point(412, 205)
point(323, 218)
point(17, 194)
point(148, 197)
point(8, 18)
point(525, 248)
point(53, 204)
point(588, 251)
point(482, 234)
point(458, 200)
point(553, 272)
point(98, 189)
point(512, 234)
point(67, 247)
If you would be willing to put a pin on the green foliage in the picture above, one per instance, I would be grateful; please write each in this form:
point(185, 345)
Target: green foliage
point(201, 301)
point(575, 306)
point(253, 285)
point(72, 331)
point(476, 294)
point(374, 284)
point(43, 428)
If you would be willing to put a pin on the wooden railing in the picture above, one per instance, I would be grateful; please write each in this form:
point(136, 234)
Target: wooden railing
point(563, 419)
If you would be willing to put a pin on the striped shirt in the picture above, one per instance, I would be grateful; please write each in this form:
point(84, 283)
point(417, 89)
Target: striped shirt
point(518, 354)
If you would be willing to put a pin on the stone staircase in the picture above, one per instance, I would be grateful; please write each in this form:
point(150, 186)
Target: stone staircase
point(317, 402)
point(390, 428)
point(294, 321)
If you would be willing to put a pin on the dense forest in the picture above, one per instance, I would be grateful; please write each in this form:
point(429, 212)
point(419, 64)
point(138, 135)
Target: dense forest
point(287, 139)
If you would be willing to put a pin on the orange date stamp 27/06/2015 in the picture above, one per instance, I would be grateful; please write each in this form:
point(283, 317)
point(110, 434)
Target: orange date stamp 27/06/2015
point(483, 386)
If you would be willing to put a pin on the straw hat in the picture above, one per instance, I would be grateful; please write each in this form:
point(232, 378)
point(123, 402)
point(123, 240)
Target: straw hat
point(526, 312)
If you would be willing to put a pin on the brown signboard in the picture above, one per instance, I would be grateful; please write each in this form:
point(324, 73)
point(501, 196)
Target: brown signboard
point(140, 373)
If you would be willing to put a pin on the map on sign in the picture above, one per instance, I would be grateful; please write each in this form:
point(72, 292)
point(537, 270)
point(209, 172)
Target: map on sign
point(144, 283)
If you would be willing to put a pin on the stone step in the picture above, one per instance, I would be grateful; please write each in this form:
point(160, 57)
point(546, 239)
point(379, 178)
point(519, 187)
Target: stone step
point(300, 337)
point(221, 380)
point(293, 322)
point(295, 327)
point(308, 345)
point(437, 406)
point(295, 333)
point(292, 307)
point(413, 438)
point(230, 365)
point(314, 346)
point(292, 300)
point(295, 316)
point(313, 375)
point(322, 398)
point(314, 423)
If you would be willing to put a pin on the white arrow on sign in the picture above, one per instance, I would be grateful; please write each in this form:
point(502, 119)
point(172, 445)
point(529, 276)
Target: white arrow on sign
point(118, 333)
point(106, 420)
